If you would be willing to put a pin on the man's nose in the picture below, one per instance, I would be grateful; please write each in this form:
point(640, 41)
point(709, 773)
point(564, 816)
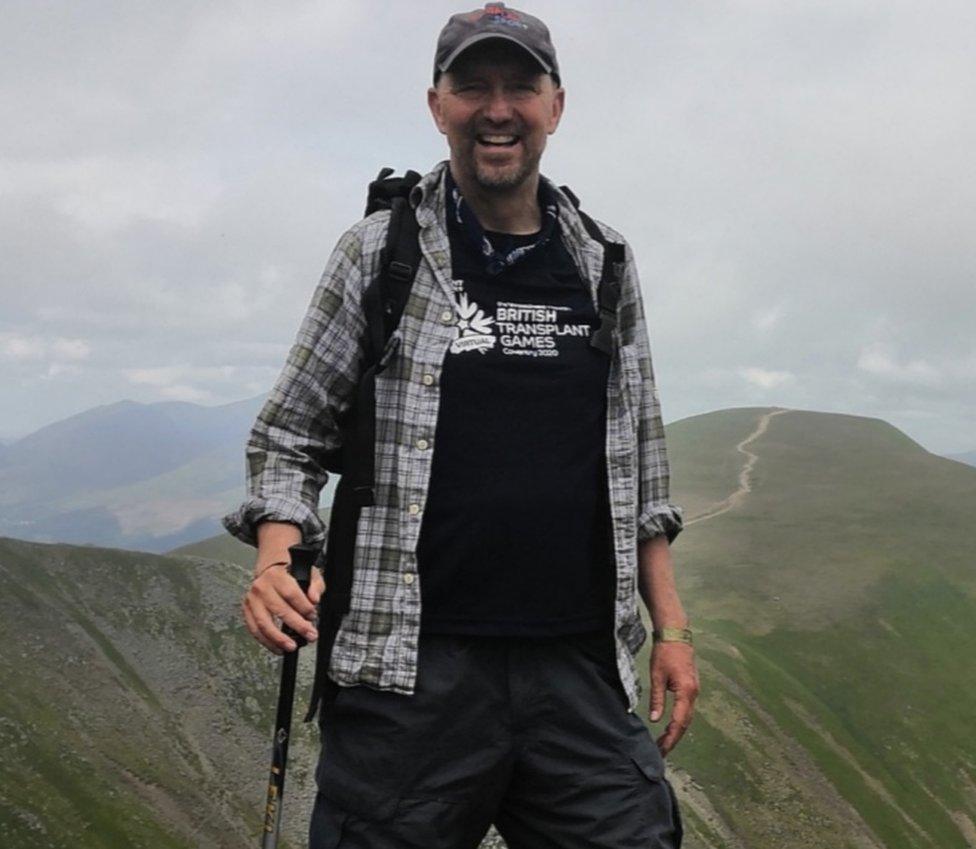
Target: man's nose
point(498, 107)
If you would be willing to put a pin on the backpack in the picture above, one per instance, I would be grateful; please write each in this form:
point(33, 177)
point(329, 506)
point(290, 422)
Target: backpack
point(383, 303)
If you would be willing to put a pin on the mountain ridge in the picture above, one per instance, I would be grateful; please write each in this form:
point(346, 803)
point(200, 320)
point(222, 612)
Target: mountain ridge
point(829, 603)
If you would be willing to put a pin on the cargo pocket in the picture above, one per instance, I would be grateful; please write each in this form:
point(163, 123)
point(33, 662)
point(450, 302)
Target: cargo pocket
point(352, 794)
point(328, 820)
point(679, 830)
point(663, 819)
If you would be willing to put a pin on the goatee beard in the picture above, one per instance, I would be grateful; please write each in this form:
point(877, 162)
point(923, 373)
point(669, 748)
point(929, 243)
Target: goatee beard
point(490, 179)
point(493, 181)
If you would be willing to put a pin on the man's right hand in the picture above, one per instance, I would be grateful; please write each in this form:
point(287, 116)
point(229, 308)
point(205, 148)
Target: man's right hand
point(274, 597)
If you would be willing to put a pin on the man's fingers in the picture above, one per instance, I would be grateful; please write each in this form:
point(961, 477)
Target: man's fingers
point(281, 596)
point(263, 602)
point(316, 586)
point(271, 633)
point(684, 705)
point(684, 700)
point(252, 626)
point(287, 587)
point(294, 620)
point(658, 691)
point(669, 739)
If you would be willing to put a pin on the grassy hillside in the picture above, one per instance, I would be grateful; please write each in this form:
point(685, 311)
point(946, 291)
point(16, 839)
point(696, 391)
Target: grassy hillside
point(835, 609)
point(827, 565)
point(134, 709)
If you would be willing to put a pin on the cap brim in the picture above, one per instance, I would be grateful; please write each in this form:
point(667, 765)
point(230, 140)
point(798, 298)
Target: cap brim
point(443, 66)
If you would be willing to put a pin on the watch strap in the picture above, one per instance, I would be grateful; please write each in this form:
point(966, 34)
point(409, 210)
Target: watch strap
point(672, 635)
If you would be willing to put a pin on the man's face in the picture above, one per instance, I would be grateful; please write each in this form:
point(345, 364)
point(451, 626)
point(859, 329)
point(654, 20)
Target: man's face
point(496, 106)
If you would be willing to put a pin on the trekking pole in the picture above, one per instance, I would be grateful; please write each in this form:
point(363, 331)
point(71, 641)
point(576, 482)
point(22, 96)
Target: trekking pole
point(303, 559)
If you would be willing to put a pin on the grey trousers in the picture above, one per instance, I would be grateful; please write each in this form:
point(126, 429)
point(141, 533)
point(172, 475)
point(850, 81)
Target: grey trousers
point(531, 734)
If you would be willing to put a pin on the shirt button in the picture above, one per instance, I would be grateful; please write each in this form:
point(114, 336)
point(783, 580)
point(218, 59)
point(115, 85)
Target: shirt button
point(413, 509)
point(428, 380)
point(423, 444)
point(447, 317)
point(408, 578)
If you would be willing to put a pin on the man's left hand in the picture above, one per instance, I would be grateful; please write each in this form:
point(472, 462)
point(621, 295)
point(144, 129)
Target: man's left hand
point(673, 668)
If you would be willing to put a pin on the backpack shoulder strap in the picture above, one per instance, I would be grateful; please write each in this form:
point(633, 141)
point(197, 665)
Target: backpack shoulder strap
point(383, 304)
point(608, 292)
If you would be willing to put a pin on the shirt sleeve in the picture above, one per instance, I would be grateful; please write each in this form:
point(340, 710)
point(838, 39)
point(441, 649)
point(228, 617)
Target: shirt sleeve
point(656, 514)
point(298, 423)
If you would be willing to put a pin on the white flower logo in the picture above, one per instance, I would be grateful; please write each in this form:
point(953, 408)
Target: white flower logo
point(473, 331)
point(471, 320)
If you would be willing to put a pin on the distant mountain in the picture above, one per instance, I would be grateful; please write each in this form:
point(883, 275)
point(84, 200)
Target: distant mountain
point(147, 476)
point(967, 457)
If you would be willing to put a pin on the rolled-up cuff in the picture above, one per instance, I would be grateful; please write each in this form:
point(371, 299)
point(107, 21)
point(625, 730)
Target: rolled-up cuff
point(664, 519)
point(243, 522)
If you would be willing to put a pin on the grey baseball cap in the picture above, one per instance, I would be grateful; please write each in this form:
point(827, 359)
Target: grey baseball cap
point(496, 20)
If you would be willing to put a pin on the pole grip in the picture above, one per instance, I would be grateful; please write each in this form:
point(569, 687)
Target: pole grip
point(303, 557)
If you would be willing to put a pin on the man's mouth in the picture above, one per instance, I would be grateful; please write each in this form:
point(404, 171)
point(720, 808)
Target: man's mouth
point(497, 140)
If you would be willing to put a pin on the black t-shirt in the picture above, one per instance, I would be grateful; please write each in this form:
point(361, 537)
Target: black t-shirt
point(516, 536)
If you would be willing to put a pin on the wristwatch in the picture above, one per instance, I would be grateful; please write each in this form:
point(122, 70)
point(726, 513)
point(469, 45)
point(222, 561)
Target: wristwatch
point(671, 635)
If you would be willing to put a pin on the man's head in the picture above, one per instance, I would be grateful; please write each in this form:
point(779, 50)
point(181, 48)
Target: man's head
point(496, 95)
point(497, 22)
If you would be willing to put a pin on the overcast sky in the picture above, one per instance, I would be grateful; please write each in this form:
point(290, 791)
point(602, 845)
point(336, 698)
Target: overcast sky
point(796, 178)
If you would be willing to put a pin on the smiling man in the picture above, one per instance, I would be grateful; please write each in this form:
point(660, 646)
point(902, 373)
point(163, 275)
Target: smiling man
point(485, 672)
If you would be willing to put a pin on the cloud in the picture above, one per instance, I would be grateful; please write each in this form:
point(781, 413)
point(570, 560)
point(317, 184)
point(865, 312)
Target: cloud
point(71, 349)
point(14, 346)
point(783, 172)
point(767, 318)
point(168, 376)
point(180, 392)
point(26, 346)
point(879, 361)
point(765, 378)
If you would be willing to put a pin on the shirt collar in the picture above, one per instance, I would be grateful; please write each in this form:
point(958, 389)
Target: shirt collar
point(429, 199)
point(496, 260)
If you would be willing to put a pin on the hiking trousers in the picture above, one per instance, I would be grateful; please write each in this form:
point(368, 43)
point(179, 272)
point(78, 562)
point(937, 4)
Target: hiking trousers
point(531, 734)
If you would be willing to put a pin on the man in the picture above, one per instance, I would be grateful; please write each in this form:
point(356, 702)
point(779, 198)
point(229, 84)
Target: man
point(486, 667)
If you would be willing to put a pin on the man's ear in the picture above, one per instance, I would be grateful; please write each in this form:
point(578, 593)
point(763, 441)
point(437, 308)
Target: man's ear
point(434, 104)
point(558, 104)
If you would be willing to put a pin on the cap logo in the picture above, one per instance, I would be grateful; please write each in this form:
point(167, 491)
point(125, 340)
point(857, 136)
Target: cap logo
point(498, 14)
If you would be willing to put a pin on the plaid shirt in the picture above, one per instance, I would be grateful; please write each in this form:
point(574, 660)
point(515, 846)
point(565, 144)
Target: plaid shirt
point(377, 643)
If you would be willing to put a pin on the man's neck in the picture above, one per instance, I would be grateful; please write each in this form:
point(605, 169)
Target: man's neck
point(515, 211)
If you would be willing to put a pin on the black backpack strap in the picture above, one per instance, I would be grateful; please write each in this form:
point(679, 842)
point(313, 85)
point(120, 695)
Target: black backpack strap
point(608, 292)
point(383, 304)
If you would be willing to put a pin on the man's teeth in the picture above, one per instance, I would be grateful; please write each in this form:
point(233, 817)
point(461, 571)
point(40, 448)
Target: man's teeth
point(505, 140)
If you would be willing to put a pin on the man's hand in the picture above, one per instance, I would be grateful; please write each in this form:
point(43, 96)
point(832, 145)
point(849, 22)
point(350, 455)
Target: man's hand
point(274, 598)
point(673, 668)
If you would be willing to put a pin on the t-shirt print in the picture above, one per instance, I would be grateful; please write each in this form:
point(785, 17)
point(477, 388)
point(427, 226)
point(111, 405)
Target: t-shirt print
point(517, 329)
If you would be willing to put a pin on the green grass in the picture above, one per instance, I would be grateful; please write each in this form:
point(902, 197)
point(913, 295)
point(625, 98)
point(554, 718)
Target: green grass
point(833, 612)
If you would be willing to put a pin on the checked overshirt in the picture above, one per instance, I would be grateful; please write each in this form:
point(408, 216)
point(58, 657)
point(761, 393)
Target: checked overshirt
point(377, 643)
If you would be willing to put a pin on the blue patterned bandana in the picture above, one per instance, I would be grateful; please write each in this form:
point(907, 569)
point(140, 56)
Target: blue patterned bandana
point(497, 260)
